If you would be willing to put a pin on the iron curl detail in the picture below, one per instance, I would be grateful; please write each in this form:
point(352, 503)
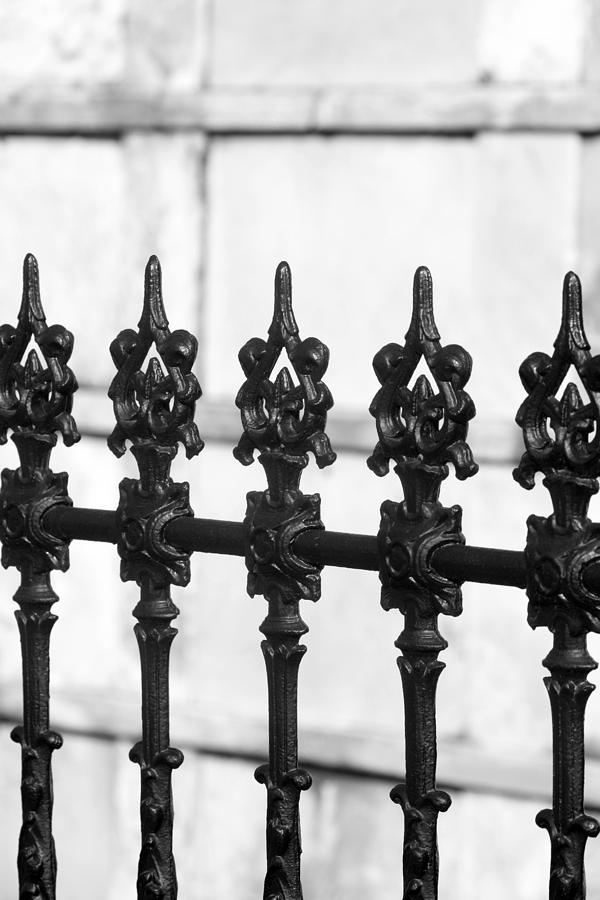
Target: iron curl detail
point(151, 405)
point(569, 458)
point(36, 398)
point(417, 423)
point(283, 421)
point(422, 430)
point(406, 546)
point(562, 441)
point(154, 410)
point(279, 417)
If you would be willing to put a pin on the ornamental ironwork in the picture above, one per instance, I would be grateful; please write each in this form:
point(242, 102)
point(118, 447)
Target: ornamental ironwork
point(420, 553)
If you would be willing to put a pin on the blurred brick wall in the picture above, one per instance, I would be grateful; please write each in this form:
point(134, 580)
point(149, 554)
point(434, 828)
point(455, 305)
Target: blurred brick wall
point(357, 140)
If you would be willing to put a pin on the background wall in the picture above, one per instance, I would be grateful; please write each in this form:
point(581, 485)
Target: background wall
point(357, 140)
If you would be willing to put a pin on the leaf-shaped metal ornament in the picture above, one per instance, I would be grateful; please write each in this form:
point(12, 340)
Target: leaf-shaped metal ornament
point(421, 428)
point(279, 417)
point(283, 421)
point(562, 440)
point(36, 397)
point(154, 406)
point(561, 436)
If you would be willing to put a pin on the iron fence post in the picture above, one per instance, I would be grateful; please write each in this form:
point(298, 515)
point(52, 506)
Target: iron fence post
point(421, 431)
point(35, 402)
point(560, 550)
point(283, 421)
point(155, 411)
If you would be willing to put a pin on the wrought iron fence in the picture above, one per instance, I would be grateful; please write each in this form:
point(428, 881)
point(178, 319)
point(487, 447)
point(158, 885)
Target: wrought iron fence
point(420, 552)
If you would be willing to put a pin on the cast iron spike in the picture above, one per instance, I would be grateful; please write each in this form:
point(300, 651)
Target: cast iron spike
point(139, 418)
point(573, 449)
point(430, 430)
point(559, 550)
point(155, 411)
point(35, 403)
point(421, 430)
point(283, 421)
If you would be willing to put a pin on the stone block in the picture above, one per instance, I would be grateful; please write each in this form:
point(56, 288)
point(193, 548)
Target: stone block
point(354, 218)
point(535, 40)
point(113, 45)
point(61, 44)
point(307, 43)
point(93, 211)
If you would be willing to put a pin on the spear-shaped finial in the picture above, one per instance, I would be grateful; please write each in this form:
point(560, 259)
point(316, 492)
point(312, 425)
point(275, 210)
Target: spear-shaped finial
point(155, 406)
point(419, 426)
point(281, 418)
point(562, 436)
point(36, 398)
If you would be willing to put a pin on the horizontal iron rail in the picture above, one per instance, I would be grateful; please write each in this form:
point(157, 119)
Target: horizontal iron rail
point(485, 565)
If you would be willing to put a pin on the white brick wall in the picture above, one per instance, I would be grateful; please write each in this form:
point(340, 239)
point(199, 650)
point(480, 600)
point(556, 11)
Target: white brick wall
point(498, 215)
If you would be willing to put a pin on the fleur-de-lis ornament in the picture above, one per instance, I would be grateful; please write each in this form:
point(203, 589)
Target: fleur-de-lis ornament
point(154, 409)
point(154, 406)
point(280, 418)
point(283, 421)
point(562, 440)
point(421, 430)
point(570, 453)
point(36, 398)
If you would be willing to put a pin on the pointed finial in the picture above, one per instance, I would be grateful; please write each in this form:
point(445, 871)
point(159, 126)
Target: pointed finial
point(36, 398)
point(281, 418)
point(155, 407)
point(419, 427)
point(562, 436)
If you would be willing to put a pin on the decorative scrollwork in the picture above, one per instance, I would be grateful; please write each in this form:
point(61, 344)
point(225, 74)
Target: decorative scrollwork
point(282, 827)
point(36, 398)
point(421, 430)
point(406, 546)
point(416, 423)
point(280, 418)
point(26, 543)
point(155, 411)
point(35, 403)
point(557, 560)
point(562, 440)
point(274, 569)
point(142, 545)
point(283, 421)
point(420, 818)
point(566, 882)
point(569, 457)
point(153, 406)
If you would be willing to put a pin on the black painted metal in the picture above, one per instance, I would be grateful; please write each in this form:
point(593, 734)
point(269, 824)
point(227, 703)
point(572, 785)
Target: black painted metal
point(35, 402)
point(421, 431)
point(154, 410)
point(420, 554)
point(283, 421)
point(559, 550)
